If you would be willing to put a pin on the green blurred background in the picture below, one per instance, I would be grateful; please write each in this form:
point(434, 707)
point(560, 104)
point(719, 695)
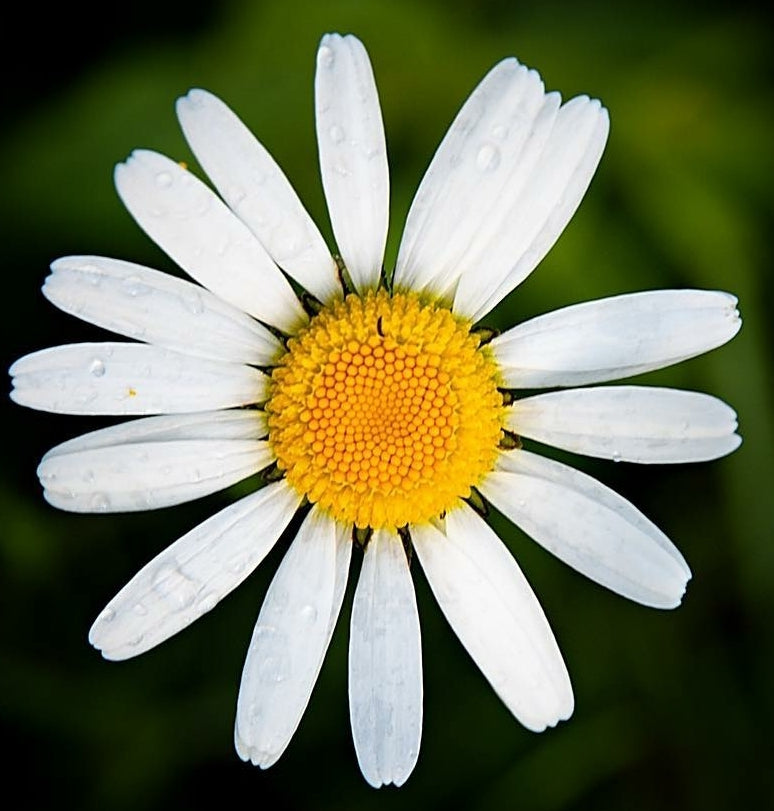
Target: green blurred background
point(672, 709)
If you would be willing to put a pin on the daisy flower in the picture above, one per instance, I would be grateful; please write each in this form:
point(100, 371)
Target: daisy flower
point(371, 402)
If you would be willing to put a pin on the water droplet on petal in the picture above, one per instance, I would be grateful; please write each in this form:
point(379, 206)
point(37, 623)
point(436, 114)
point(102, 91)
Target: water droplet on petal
point(274, 669)
point(97, 368)
point(133, 287)
point(208, 602)
point(309, 613)
point(336, 134)
point(92, 274)
point(193, 302)
point(176, 588)
point(488, 158)
point(108, 615)
point(135, 641)
point(235, 196)
point(616, 456)
point(236, 564)
point(163, 180)
point(99, 503)
point(326, 57)
point(140, 610)
point(500, 132)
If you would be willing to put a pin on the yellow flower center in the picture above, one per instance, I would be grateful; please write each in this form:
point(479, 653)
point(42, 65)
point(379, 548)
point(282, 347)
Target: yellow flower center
point(385, 411)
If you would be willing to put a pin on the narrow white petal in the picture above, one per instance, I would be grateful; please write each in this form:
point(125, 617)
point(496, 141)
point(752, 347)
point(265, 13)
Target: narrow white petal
point(148, 475)
point(233, 424)
point(290, 640)
point(258, 192)
point(589, 527)
point(158, 309)
point(503, 184)
point(353, 156)
point(195, 228)
point(385, 665)
point(193, 574)
point(615, 337)
point(492, 609)
point(629, 423)
point(343, 556)
point(514, 246)
point(498, 132)
point(121, 378)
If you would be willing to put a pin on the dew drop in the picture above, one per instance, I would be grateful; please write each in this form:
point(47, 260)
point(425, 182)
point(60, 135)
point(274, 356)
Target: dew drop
point(336, 134)
point(174, 587)
point(488, 158)
point(133, 287)
point(274, 669)
point(193, 302)
point(108, 615)
point(236, 564)
point(616, 456)
point(235, 196)
point(163, 180)
point(140, 610)
point(500, 132)
point(309, 614)
point(326, 57)
point(99, 503)
point(135, 641)
point(93, 275)
point(208, 602)
point(97, 368)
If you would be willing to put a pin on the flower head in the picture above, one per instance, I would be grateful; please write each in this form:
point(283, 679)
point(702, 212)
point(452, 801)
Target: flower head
point(371, 401)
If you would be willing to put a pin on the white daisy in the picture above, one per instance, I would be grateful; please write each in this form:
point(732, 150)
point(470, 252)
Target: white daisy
point(371, 402)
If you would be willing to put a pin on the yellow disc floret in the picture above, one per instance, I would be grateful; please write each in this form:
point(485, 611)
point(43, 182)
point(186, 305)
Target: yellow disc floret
point(385, 411)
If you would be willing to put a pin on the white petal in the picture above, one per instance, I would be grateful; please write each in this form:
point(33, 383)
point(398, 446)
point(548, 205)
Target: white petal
point(290, 639)
point(353, 156)
point(503, 184)
point(385, 665)
point(501, 127)
point(552, 193)
point(148, 475)
point(629, 423)
point(492, 609)
point(589, 527)
point(120, 378)
point(235, 424)
point(194, 227)
point(615, 337)
point(193, 574)
point(256, 189)
point(159, 309)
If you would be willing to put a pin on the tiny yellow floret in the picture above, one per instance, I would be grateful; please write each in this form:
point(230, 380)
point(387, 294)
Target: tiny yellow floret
point(385, 411)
